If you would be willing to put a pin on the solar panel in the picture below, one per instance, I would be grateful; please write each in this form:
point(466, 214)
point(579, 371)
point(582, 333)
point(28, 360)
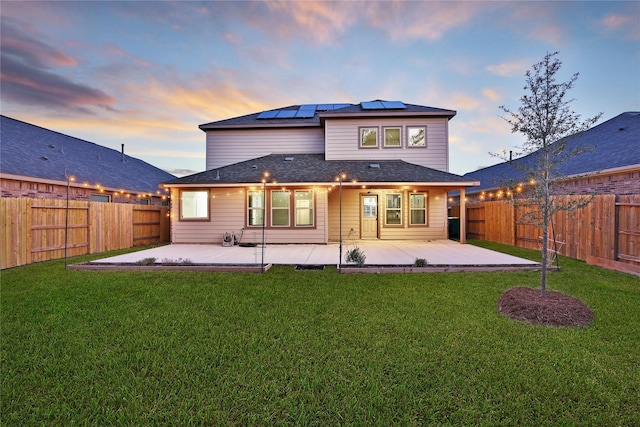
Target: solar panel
point(306, 107)
point(338, 106)
point(286, 114)
point(393, 105)
point(372, 105)
point(324, 107)
point(305, 114)
point(267, 114)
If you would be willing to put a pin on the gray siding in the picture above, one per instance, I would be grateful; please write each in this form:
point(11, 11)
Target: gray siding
point(342, 142)
point(232, 146)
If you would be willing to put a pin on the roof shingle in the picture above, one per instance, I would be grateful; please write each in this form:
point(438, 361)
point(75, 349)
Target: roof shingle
point(31, 151)
point(615, 143)
point(313, 168)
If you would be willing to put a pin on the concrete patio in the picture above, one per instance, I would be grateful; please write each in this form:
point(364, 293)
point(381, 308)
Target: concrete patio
point(377, 252)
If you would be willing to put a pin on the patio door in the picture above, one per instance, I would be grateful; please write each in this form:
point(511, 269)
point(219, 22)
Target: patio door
point(369, 217)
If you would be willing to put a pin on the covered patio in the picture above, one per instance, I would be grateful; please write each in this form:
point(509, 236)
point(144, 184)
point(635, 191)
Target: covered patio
point(377, 252)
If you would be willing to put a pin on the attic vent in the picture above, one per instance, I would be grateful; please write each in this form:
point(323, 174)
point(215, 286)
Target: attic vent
point(288, 159)
point(374, 165)
point(52, 146)
point(621, 129)
point(254, 167)
point(44, 158)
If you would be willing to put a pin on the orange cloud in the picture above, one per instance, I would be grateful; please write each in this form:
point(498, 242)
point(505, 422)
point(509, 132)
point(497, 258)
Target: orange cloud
point(421, 20)
point(493, 94)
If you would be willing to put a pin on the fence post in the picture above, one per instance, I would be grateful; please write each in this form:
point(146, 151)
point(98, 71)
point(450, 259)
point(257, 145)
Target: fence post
point(463, 217)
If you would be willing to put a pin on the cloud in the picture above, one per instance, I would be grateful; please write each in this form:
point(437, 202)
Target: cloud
point(508, 68)
point(552, 34)
point(421, 20)
point(315, 21)
point(26, 77)
point(325, 23)
point(18, 43)
point(622, 23)
point(32, 86)
point(465, 102)
point(493, 94)
point(115, 51)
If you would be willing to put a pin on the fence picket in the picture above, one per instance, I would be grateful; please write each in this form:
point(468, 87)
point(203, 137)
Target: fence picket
point(603, 229)
point(34, 229)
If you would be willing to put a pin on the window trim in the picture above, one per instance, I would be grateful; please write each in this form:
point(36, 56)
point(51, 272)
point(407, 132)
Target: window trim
point(100, 195)
point(288, 209)
point(249, 209)
point(411, 128)
point(425, 209)
point(400, 209)
point(195, 219)
point(360, 134)
point(384, 136)
point(312, 209)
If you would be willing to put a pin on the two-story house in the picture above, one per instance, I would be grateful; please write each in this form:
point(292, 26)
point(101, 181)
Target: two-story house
point(306, 173)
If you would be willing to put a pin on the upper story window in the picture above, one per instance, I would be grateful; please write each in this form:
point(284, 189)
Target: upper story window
point(194, 204)
point(304, 208)
point(392, 137)
point(368, 137)
point(416, 136)
point(393, 211)
point(280, 208)
point(255, 208)
point(418, 209)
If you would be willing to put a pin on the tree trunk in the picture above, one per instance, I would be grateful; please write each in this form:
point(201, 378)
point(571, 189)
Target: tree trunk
point(545, 238)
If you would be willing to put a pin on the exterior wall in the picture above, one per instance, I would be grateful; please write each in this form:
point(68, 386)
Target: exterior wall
point(624, 183)
point(437, 215)
point(621, 183)
point(342, 141)
point(226, 147)
point(227, 211)
point(53, 190)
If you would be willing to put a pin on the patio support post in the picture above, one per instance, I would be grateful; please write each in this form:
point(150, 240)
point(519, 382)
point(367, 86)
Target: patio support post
point(264, 215)
point(340, 259)
point(463, 217)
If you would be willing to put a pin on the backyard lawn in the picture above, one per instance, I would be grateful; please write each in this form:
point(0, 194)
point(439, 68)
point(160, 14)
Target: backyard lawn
point(312, 348)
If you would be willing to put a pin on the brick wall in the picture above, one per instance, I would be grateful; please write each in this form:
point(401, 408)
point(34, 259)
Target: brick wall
point(621, 184)
point(38, 190)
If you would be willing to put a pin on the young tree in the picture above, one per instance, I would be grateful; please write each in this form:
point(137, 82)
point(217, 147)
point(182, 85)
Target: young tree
point(545, 119)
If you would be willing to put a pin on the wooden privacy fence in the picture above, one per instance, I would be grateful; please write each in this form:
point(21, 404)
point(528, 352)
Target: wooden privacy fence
point(33, 230)
point(608, 228)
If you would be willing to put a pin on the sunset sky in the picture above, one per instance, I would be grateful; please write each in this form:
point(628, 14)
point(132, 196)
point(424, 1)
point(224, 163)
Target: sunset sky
point(147, 73)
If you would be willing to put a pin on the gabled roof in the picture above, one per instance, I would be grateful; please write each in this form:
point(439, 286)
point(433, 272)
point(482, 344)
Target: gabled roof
point(314, 169)
point(616, 144)
point(32, 151)
point(314, 114)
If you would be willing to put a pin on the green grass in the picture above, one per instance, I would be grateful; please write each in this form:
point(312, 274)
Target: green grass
point(312, 348)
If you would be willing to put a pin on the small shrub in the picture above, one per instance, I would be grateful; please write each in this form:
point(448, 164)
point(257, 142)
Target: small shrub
point(179, 261)
point(356, 256)
point(420, 262)
point(146, 261)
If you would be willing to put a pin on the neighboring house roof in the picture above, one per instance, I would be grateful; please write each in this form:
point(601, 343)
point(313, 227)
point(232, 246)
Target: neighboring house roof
point(309, 115)
point(313, 168)
point(32, 151)
point(615, 143)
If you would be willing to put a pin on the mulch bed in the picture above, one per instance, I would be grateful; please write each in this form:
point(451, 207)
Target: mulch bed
point(554, 309)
